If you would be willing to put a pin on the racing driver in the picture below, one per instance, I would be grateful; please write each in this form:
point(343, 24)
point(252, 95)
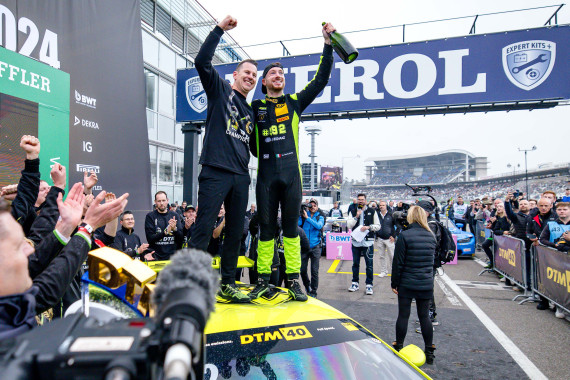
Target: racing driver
point(274, 142)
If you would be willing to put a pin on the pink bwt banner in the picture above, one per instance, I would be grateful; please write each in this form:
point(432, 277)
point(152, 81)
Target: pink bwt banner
point(339, 246)
point(454, 261)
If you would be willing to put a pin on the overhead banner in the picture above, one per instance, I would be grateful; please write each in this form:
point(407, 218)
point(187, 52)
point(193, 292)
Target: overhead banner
point(97, 46)
point(553, 275)
point(512, 66)
point(508, 258)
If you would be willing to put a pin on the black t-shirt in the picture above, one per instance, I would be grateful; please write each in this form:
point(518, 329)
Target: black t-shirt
point(160, 242)
point(215, 246)
point(229, 122)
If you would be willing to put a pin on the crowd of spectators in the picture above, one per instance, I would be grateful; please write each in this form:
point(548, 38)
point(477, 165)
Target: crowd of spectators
point(427, 176)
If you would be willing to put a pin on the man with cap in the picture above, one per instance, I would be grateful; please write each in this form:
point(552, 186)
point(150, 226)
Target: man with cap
point(434, 226)
point(274, 142)
point(189, 224)
point(312, 222)
point(225, 156)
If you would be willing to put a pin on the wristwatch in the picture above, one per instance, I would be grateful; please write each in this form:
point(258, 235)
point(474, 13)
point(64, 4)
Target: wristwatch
point(87, 227)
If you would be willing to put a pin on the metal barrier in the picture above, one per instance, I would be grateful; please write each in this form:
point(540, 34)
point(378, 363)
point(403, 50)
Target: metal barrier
point(551, 275)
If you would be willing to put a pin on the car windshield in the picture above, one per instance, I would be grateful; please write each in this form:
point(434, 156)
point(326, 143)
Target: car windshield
point(365, 358)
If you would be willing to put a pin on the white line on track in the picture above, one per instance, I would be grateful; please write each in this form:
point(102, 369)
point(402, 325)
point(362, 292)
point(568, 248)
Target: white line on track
point(449, 294)
point(522, 360)
point(480, 262)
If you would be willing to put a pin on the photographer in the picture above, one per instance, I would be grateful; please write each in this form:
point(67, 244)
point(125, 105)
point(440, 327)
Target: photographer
point(435, 229)
point(500, 226)
point(312, 223)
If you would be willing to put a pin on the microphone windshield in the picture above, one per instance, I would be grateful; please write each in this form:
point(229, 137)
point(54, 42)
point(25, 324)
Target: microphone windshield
point(189, 269)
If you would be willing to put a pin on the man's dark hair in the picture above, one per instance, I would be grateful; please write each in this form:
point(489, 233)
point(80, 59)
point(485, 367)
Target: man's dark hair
point(361, 195)
point(125, 213)
point(160, 192)
point(252, 61)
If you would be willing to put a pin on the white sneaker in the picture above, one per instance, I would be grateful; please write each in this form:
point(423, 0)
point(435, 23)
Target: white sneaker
point(559, 313)
point(354, 287)
point(369, 290)
point(382, 274)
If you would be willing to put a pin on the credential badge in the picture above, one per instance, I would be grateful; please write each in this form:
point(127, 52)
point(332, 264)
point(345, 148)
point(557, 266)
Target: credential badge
point(528, 63)
point(195, 94)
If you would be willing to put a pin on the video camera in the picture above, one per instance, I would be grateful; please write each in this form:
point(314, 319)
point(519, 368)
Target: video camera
point(401, 217)
point(169, 346)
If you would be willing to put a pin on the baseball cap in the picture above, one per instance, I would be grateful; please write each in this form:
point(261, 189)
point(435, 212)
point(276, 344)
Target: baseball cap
point(314, 200)
point(189, 207)
point(266, 70)
point(426, 205)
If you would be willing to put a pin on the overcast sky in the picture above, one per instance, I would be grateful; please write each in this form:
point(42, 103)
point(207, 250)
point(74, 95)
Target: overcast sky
point(495, 135)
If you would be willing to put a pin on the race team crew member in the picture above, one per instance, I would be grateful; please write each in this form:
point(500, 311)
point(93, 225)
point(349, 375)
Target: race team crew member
point(275, 143)
point(225, 156)
point(126, 240)
point(163, 229)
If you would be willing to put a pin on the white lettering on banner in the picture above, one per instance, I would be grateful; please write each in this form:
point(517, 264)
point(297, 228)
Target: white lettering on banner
point(454, 74)
point(87, 147)
point(21, 75)
point(48, 52)
point(348, 80)
point(85, 100)
point(86, 123)
point(427, 74)
point(302, 78)
point(88, 168)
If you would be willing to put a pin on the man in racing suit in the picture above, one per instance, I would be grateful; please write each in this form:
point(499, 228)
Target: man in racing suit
point(274, 142)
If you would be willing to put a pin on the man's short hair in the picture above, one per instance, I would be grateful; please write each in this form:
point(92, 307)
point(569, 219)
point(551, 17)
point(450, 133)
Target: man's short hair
point(252, 61)
point(160, 192)
point(125, 213)
point(361, 195)
point(563, 204)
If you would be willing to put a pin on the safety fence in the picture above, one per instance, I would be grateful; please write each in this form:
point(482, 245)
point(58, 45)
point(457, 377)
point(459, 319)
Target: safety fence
point(542, 271)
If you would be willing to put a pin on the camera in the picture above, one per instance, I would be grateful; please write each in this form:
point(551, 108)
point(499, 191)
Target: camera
point(305, 207)
point(517, 193)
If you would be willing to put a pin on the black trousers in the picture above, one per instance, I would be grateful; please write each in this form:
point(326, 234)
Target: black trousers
point(314, 255)
point(487, 244)
point(217, 186)
point(404, 308)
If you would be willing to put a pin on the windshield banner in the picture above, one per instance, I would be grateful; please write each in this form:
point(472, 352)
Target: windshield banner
point(511, 66)
point(553, 275)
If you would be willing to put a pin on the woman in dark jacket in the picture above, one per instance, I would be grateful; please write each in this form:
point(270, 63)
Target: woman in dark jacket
point(412, 277)
point(500, 225)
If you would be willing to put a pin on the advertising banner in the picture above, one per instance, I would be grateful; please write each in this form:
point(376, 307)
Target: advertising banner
point(508, 257)
point(510, 66)
point(97, 46)
point(339, 246)
point(553, 275)
point(331, 177)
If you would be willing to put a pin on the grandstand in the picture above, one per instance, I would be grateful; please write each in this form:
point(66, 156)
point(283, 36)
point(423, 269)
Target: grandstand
point(436, 168)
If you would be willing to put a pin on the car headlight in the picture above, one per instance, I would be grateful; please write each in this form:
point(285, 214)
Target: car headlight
point(464, 240)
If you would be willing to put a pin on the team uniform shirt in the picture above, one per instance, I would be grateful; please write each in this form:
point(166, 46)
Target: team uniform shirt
point(229, 122)
point(162, 243)
point(460, 211)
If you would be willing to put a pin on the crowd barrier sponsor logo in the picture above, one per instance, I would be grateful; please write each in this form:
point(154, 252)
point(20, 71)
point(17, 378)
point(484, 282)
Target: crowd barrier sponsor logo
point(528, 63)
point(196, 95)
point(88, 168)
point(509, 255)
point(85, 100)
point(287, 333)
point(559, 277)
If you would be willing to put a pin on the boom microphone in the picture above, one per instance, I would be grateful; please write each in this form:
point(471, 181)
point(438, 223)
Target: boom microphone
point(184, 297)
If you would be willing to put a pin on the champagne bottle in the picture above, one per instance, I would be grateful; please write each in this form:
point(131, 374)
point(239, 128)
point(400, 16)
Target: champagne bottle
point(343, 47)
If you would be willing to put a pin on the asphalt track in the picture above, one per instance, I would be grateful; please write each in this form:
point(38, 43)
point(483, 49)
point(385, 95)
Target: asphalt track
point(482, 334)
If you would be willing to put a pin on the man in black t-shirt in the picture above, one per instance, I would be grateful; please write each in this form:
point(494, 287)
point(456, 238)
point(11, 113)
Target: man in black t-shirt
point(225, 156)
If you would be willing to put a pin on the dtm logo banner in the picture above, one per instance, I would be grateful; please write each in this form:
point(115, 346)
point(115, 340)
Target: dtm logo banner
point(502, 67)
point(509, 257)
point(553, 275)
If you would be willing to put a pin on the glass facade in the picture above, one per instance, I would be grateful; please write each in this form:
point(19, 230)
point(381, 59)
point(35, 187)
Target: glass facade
point(172, 32)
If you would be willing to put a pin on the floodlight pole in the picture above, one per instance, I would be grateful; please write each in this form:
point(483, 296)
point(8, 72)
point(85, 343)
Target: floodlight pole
point(313, 131)
point(526, 167)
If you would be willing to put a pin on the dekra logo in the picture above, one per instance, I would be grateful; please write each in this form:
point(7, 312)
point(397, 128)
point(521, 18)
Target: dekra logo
point(86, 123)
point(85, 100)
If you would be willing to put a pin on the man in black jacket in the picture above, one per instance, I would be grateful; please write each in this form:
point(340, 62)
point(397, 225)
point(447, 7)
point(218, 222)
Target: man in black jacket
point(385, 238)
point(163, 229)
point(225, 156)
point(126, 240)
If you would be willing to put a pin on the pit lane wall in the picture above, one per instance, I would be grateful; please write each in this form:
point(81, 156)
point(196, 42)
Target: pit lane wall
point(525, 65)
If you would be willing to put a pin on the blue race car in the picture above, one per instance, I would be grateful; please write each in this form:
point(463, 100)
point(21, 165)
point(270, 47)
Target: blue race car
point(465, 240)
